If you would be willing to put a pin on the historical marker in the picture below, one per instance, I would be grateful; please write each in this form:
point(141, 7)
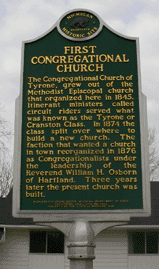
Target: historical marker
point(83, 133)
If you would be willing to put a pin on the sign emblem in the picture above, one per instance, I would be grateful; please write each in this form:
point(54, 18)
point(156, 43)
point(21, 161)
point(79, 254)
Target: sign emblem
point(81, 25)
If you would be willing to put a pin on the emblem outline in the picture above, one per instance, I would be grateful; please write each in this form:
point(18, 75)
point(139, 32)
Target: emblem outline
point(100, 27)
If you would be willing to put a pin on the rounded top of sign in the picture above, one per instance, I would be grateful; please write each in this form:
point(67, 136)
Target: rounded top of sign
point(79, 25)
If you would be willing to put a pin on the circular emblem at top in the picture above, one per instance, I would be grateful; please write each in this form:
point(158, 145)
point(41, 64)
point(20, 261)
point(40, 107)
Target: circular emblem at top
point(79, 25)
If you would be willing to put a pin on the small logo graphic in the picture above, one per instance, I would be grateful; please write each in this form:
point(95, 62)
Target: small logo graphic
point(80, 22)
point(79, 25)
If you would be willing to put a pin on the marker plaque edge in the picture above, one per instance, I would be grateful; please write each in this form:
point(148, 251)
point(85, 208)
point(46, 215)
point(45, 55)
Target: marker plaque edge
point(67, 215)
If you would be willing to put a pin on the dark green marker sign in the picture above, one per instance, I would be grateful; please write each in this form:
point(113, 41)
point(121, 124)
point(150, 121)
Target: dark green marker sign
point(82, 121)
